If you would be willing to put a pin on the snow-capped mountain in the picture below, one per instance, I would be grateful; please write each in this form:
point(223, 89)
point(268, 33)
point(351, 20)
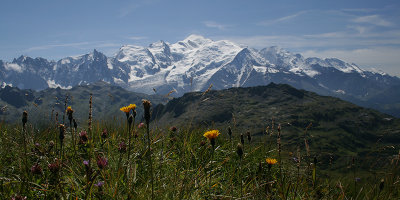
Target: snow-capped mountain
point(195, 63)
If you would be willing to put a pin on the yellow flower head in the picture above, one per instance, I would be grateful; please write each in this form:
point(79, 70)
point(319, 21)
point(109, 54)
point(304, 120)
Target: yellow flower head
point(132, 106)
point(211, 134)
point(125, 109)
point(271, 161)
point(69, 110)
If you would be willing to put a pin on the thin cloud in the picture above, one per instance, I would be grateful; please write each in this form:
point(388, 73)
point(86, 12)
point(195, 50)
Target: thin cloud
point(213, 24)
point(373, 19)
point(50, 46)
point(282, 19)
point(128, 9)
point(136, 37)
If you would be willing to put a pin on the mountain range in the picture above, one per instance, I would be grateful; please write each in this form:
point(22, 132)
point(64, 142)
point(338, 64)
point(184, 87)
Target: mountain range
point(43, 105)
point(196, 63)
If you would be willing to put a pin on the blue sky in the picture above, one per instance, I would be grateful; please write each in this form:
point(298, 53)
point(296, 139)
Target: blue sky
point(363, 32)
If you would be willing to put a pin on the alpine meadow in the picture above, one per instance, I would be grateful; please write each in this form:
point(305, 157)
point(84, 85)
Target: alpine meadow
point(200, 100)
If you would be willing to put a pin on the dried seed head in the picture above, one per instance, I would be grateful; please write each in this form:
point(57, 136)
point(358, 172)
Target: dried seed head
point(229, 131)
point(242, 139)
point(146, 105)
point(239, 150)
point(24, 118)
point(75, 124)
point(51, 144)
point(62, 131)
point(248, 136)
point(382, 185)
point(202, 143)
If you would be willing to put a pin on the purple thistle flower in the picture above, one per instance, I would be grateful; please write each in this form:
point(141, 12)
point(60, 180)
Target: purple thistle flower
point(99, 184)
point(36, 169)
point(83, 137)
point(102, 162)
point(104, 134)
point(141, 125)
point(122, 147)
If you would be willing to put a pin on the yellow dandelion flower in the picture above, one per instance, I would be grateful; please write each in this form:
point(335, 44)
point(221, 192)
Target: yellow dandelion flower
point(271, 161)
point(125, 109)
point(211, 134)
point(69, 110)
point(132, 106)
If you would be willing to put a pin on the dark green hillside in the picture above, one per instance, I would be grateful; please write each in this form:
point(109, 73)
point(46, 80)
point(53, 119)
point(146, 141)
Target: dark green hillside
point(339, 129)
point(107, 100)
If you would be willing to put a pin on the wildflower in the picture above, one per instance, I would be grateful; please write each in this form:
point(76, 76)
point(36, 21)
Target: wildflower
point(86, 163)
point(211, 135)
point(24, 118)
point(132, 106)
point(83, 137)
point(37, 145)
point(239, 150)
point(122, 147)
point(173, 129)
point(18, 197)
point(102, 162)
point(141, 125)
point(146, 105)
point(69, 113)
point(54, 167)
point(270, 162)
point(99, 184)
point(36, 169)
point(104, 134)
point(357, 179)
point(126, 110)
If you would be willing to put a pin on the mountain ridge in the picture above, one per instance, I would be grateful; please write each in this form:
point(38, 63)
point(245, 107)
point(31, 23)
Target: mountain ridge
point(196, 62)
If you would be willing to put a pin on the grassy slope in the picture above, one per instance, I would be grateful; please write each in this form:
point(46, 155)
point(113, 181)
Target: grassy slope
point(340, 130)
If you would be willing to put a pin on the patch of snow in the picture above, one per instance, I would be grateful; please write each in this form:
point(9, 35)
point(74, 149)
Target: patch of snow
point(4, 84)
point(118, 81)
point(260, 69)
point(377, 71)
point(65, 61)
